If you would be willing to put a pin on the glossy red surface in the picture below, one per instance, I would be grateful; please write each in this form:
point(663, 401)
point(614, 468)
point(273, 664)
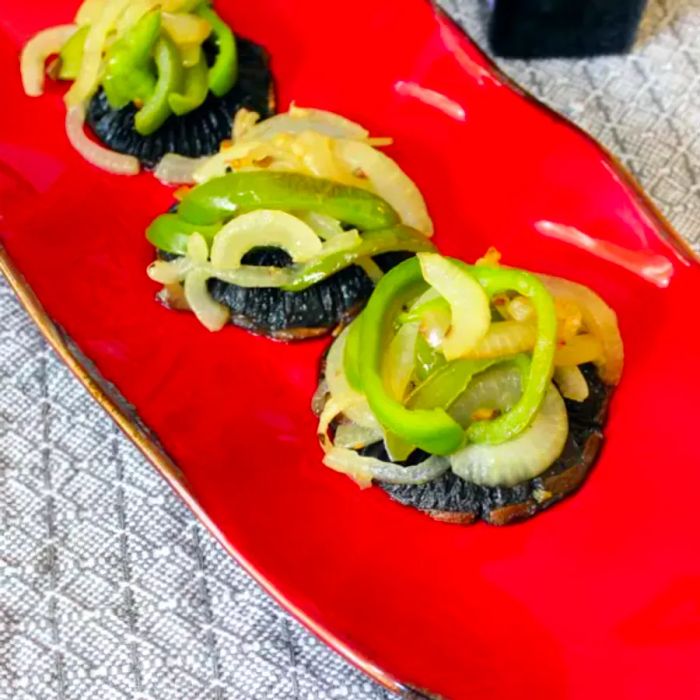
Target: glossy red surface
point(600, 596)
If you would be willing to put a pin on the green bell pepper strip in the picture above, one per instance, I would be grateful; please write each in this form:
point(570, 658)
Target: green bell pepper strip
point(156, 109)
point(439, 305)
point(428, 359)
point(128, 66)
point(224, 71)
point(513, 422)
point(194, 89)
point(441, 389)
point(71, 54)
point(351, 356)
point(433, 430)
point(444, 385)
point(224, 196)
point(398, 238)
point(169, 232)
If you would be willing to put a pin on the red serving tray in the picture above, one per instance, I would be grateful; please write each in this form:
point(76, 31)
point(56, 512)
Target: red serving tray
point(598, 597)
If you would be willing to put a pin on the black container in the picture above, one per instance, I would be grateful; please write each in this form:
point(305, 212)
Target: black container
point(549, 28)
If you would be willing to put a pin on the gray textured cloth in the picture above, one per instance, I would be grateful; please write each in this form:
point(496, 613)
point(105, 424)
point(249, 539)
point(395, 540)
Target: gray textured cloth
point(108, 586)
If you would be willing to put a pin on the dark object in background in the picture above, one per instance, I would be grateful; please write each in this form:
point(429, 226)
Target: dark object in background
point(564, 28)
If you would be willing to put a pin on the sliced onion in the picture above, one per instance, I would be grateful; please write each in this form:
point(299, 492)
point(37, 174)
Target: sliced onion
point(598, 318)
point(133, 13)
point(185, 28)
point(263, 227)
point(36, 51)
point(571, 382)
point(316, 153)
point(524, 457)
point(569, 319)
point(210, 313)
point(345, 241)
point(169, 271)
point(469, 305)
point(372, 270)
point(173, 296)
point(91, 65)
point(197, 249)
point(400, 360)
point(434, 316)
point(388, 181)
point(190, 54)
point(243, 121)
point(332, 408)
point(521, 309)
point(299, 119)
point(111, 161)
point(497, 388)
point(89, 12)
point(365, 469)
point(354, 436)
point(355, 404)
point(505, 338)
point(174, 169)
point(326, 227)
point(318, 400)
point(338, 385)
point(579, 350)
point(217, 165)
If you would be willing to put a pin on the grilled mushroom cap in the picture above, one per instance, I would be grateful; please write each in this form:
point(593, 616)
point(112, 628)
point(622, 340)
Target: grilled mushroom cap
point(452, 499)
point(197, 133)
point(282, 315)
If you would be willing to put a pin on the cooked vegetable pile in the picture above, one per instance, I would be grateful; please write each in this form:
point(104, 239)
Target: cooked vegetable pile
point(466, 363)
point(308, 182)
point(147, 53)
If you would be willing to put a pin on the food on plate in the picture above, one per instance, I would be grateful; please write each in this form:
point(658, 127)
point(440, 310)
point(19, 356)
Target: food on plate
point(470, 391)
point(287, 228)
point(150, 77)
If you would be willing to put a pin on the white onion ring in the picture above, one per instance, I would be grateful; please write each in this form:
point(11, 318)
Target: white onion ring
point(571, 382)
point(354, 436)
point(111, 161)
point(299, 119)
point(387, 180)
point(171, 271)
point(364, 470)
point(355, 406)
point(36, 51)
point(210, 313)
point(598, 318)
point(174, 169)
point(525, 456)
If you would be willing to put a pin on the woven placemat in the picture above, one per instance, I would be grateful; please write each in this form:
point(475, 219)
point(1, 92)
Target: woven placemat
point(109, 588)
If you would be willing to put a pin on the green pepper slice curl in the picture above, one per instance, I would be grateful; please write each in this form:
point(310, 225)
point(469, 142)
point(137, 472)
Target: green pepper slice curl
point(129, 72)
point(497, 280)
point(433, 430)
point(71, 54)
point(171, 233)
point(444, 385)
point(428, 359)
point(351, 356)
point(156, 109)
point(194, 89)
point(398, 238)
point(225, 196)
point(224, 71)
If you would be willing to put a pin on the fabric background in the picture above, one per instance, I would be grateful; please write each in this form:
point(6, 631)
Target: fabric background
point(109, 588)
